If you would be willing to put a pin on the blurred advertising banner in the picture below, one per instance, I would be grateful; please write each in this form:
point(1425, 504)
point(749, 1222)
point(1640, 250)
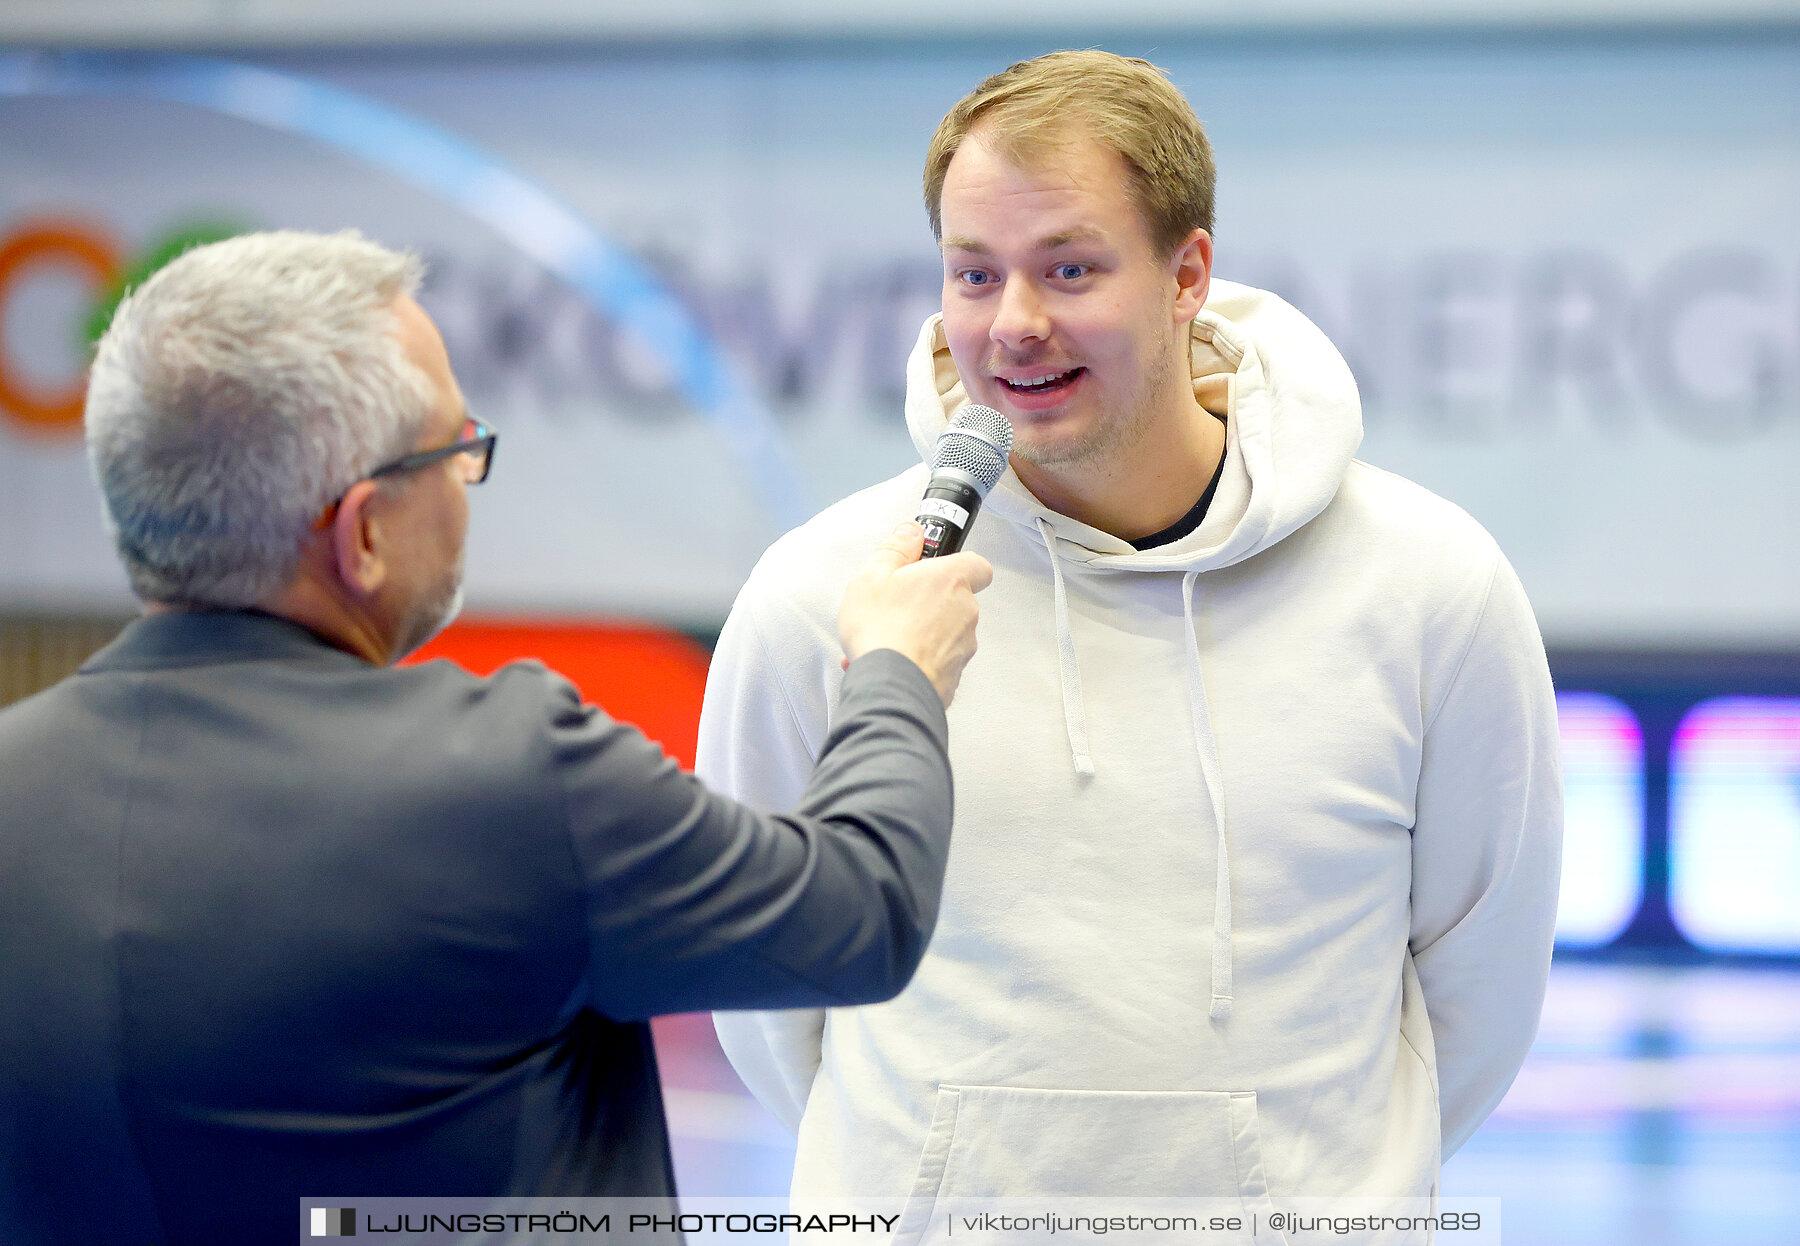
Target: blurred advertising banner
point(682, 284)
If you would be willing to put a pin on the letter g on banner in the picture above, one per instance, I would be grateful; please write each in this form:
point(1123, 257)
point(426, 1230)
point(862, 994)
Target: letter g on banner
point(37, 245)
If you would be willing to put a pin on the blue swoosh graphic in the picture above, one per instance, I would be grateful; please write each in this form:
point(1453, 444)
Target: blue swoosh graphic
point(609, 277)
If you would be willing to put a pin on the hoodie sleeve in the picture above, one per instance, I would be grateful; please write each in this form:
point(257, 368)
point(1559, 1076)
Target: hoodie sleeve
point(1487, 856)
point(758, 741)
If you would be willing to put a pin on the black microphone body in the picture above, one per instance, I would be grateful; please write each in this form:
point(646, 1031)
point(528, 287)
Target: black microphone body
point(948, 511)
point(969, 458)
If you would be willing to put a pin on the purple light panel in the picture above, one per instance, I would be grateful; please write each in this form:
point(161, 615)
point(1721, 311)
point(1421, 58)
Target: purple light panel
point(1734, 825)
point(1603, 800)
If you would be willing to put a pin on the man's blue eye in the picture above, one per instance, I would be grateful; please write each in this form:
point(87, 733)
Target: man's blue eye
point(1069, 272)
point(976, 278)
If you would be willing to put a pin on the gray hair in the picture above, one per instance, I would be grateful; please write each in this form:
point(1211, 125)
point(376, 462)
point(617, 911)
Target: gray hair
point(237, 394)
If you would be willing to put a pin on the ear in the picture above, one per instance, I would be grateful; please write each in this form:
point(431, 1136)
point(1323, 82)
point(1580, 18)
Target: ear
point(356, 540)
point(1191, 266)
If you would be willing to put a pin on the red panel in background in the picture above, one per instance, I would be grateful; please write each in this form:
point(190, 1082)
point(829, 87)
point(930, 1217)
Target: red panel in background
point(636, 672)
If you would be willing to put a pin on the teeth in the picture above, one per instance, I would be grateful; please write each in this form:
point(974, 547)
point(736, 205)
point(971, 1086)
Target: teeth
point(1039, 382)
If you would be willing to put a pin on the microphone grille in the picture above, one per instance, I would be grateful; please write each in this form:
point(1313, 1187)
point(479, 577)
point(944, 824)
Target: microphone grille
point(977, 442)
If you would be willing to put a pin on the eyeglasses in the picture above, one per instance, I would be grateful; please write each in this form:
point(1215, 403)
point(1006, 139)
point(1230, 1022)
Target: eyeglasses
point(477, 442)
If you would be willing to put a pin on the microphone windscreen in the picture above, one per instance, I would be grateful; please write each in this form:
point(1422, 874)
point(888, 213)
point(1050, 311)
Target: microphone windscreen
point(977, 442)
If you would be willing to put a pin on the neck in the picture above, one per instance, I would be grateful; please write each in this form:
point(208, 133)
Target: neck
point(320, 604)
point(1138, 489)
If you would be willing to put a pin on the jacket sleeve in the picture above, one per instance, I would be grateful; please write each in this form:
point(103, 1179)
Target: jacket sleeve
point(697, 901)
point(758, 734)
point(1487, 856)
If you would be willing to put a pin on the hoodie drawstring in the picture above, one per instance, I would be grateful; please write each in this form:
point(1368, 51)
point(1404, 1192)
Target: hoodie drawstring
point(1074, 708)
point(1213, 773)
point(1075, 720)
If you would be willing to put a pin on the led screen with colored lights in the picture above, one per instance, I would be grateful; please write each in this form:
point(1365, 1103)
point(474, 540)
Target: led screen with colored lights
point(1734, 825)
point(1603, 837)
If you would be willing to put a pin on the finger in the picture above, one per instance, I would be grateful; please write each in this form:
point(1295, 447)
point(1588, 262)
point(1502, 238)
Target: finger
point(974, 570)
point(903, 545)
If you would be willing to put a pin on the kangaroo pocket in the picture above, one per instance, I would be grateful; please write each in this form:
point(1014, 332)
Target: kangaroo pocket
point(1010, 1141)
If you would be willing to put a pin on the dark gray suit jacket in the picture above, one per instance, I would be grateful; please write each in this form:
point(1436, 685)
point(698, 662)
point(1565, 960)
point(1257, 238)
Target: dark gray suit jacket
point(276, 923)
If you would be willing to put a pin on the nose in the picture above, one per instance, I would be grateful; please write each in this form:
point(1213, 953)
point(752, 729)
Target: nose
point(1020, 316)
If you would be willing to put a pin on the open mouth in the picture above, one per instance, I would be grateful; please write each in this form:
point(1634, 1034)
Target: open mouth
point(1046, 384)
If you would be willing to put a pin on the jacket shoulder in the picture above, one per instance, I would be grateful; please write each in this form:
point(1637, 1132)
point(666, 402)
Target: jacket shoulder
point(522, 707)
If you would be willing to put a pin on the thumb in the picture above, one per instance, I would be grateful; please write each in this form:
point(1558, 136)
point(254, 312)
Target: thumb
point(903, 545)
point(976, 571)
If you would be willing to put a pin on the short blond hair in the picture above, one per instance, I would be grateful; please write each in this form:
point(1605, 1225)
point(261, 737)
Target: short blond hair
point(1126, 104)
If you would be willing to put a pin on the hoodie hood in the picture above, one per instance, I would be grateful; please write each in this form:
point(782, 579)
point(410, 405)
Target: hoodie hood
point(1292, 425)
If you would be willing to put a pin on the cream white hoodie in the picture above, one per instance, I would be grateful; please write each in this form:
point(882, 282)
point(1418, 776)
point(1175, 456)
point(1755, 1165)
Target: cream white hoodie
point(1255, 866)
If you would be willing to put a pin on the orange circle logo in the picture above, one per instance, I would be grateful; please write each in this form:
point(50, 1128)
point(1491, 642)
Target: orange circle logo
point(51, 244)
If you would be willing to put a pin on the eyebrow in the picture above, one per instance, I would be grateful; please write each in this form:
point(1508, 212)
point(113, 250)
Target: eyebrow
point(1081, 233)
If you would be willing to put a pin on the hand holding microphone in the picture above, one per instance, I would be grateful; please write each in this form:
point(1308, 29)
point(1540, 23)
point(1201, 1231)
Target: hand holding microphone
point(925, 609)
point(917, 594)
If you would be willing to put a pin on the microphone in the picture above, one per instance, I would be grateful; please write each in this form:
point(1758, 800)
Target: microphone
point(967, 461)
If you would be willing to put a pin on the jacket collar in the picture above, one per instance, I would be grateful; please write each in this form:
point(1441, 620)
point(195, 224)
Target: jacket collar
point(208, 637)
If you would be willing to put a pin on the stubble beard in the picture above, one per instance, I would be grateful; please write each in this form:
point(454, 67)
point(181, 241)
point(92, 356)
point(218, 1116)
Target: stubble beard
point(1114, 435)
point(435, 613)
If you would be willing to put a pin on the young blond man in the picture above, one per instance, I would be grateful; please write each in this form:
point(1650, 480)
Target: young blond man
point(1258, 811)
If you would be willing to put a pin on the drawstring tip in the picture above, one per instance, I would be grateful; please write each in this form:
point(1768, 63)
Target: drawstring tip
point(1221, 1007)
point(1084, 765)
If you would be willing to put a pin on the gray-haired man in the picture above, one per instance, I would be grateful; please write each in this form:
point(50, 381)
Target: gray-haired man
point(277, 920)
